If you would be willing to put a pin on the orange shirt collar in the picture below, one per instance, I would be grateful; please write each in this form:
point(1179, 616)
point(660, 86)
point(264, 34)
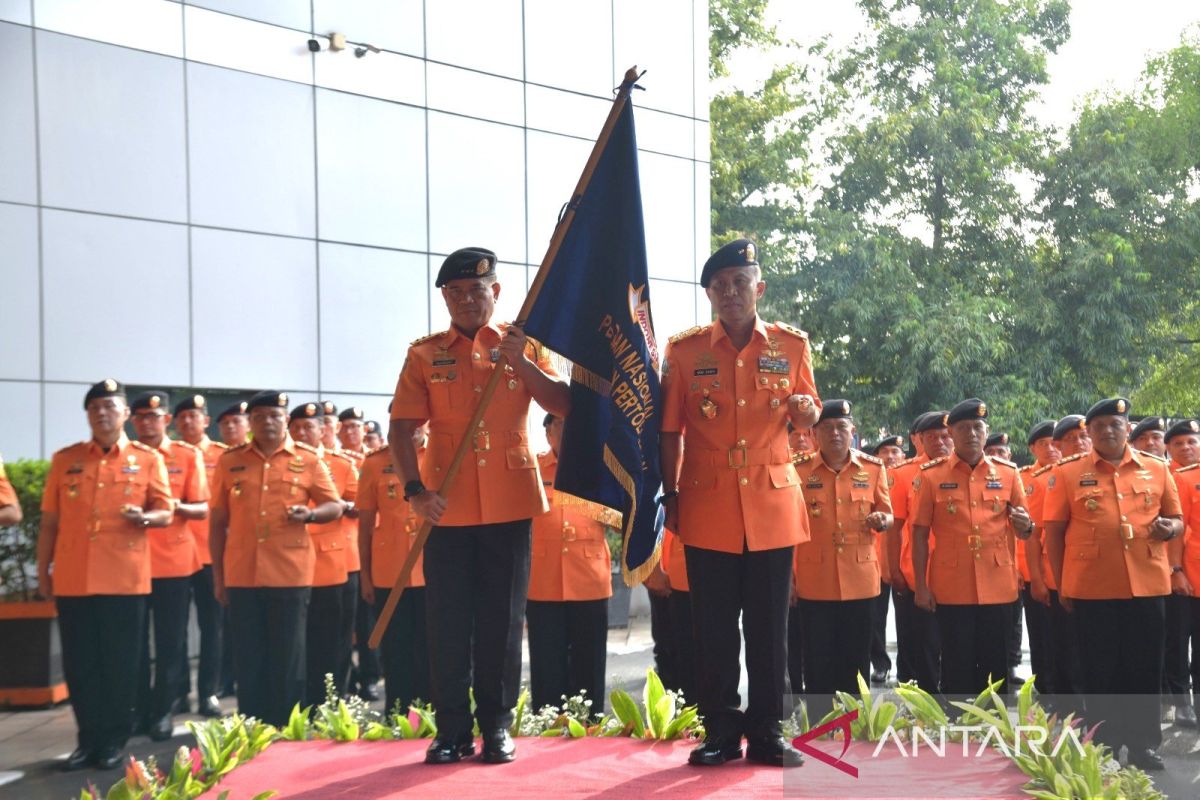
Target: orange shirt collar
point(718, 331)
point(1130, 455)
point(954, 461)
point(120, 445)
point(289, 447)
point(454, 333)
point(854, 459)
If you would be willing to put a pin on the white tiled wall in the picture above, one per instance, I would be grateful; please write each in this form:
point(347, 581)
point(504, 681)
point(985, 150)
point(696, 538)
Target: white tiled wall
point(190, 197)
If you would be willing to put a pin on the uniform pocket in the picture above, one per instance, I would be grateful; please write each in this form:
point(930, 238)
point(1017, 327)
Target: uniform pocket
point(808, 553)
point(866, 553)
point(519, 458)
point(783, 475)
point(1084, 552)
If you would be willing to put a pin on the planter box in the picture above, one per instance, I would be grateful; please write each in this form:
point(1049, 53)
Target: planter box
point(31, 671)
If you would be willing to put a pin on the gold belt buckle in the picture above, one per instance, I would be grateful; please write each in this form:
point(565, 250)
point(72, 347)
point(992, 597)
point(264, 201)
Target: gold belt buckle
point(975, 541)
point(569, 534)
point(482, 441)
point(744, 460)
point(839, 538)
point(1126, 531)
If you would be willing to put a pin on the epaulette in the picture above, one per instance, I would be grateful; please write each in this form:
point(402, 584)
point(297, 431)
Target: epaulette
point(1027, 468)
point(1185, 469)
point(1005, 462)
point(1149, 455)
point(869, 457)
point(1069, 459)
point(307, 447)
point(1041, 470)
point(186, 445)
point(803, 458)
point(145, 447)
point(783, 326)
point(221, 445)
point(908, 461)
point(689, 332)
point(376, 451)
point(425, 339)
point(343, 455)
point(934, 462)
point(68, 447)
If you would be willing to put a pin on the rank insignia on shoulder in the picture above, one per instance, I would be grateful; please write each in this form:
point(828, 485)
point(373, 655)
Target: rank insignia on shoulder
point(934, 462)
point(685, 334)
point(783, 326)
point(868, 457)
point(425, 339)
point(1188, 468)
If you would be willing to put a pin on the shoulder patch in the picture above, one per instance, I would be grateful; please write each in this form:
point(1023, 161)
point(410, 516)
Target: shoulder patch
point(868, 457)
point(933, 463)
point(794, 331)
point(344, 456)
point(425, 339)
point(186, 445)
point(304, 446)
point(685, 334)
point(803, 458)
point(1188, 468)
point(235, 449)
point(1027, 468)
point(1150, 455)
point(221, 445)
point(908, 461)
point(1069, 459)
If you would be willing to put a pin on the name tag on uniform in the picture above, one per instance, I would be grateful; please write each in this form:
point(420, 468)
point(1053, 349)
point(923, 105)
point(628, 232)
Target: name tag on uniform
point(389, 469)
point(780, 366)
point(815, 485)
point(238, 468)
point(74, 470)
point(993, 485)
point(857, 485)
point(947, 485)
point(132, 469)
point(445, 362)
point(174, 470)
point(705, 371)
point(1089, 483)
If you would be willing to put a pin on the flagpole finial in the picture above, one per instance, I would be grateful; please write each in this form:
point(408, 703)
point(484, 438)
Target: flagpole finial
point(632, 74)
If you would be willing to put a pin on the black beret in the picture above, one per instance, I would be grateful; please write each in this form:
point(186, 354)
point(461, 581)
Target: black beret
point(890, 441)
point(1148, 424)
point(105, 388)
point(328, 408)
point(834, 409)
point(351, 413)
point(1042, 430)
point(304, 411)
point(195, 402)
point(931, 421)
point(997, 440)
point(547, 420)
point(268, 398)
point(1067, 424)
point(469, 262)
point(971, 408)
point(155, 399)
point(738, 253)
point(1182, 428)
point(371, 426)
point(1113, 406)
point(233, 410)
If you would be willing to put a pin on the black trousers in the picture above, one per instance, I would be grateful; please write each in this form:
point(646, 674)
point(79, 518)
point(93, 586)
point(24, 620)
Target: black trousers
point(169, 608)
point(755, 586)
point(918, 643)
point(330, 638)
point(1194, 632)
point(684, 639)
point(1066, 669)
point(1121, 649)
point(1014, 635)
point(1176, 675)
point(568, 644)
point(368, 669)
point(1037, 623)
point(795, 650)
point(269, 627)
point(228, 679)
point(837, 643)
point(100, 633)
point(663, 634)
point(880, 660)
point(210, 619)
point(405, 649)
point(477, 577)
point(974, 646)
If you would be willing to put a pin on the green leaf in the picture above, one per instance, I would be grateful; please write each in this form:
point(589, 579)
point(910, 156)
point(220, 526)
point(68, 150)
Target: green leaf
point(627, 711)
point(576, 728)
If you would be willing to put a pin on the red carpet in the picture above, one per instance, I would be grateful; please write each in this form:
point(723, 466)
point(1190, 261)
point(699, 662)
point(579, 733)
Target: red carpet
point(605, 769)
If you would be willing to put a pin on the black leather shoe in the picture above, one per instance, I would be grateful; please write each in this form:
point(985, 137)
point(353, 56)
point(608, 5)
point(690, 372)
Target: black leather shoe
point(449, 750)
point(879, 676)
point(498, 747)
point(209, 707)
point(1185, 716)
point(108, 757)
point(369, 692)
point(1146, 759)
point(715, 751)
point(161, 729)
point(182, 705)
point(80, 757)
point(774, 751)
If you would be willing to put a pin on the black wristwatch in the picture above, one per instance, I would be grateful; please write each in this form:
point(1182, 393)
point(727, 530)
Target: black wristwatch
point(412, 489)
point(668, 495)
point(311, 518)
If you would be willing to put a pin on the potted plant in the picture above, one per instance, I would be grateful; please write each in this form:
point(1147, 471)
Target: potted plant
point(618, 604)
point(31, 672)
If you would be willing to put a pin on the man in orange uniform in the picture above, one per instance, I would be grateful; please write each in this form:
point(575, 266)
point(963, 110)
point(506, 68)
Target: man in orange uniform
point(918, 649)
point(234, 425)
point(1108, 516)
point(372, 436)
point(1149, 436)
point(972, 503)
point(1182, 441)
point(174, 559)
point(733, 497)
point(477, 556)
point(335, 592)
point(570, 581)
point(350, 431)
point(93, 558)
point(387, 527)
point(1175, 654)
point(10, 506)
point(263, 557)
point(997, 446)
point(1184, 554)
point(837, 570)
point(1037, 614)
point(889, 450)
point(192, 421)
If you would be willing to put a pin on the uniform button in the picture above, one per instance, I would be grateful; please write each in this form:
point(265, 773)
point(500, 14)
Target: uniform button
point(103, 461)
point(972, 477)
point(1124, 519)
point(763, 380)
point(739, 362)
point(262, 513)
point(264, 487)
point(972, 504)
point(131, 545)
point(741, 401)
point(524, 459)
point(745, 481)
point(474, 356)
point(839, 524)
point(741, 442)
point(976, 528)
point(99, 485)
point(839, 501)
point(299, 541)
point(839, 549)
point(1119, 495)
point(478, 389)
point(564, 549)
point(266, 466)
point(566, 525)
point(483, 462)
point(977, 556)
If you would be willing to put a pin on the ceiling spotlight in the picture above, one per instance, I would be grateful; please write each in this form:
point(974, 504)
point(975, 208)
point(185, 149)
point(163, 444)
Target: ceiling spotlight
point(362, 49)
point(314, 46)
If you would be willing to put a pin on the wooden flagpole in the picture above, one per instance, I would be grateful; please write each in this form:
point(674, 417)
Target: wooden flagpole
point(489, 389)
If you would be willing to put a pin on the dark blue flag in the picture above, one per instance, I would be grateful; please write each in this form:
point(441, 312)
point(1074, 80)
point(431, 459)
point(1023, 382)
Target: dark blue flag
point(594, 310)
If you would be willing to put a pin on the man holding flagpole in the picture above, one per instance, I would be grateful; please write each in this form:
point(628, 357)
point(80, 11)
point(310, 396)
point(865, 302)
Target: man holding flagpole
point(734, 497)
point(477, 556)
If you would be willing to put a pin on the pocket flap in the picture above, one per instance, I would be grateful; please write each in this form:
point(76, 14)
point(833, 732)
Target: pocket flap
point(519, 458)
point(783, 475)
point(1085, 552)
